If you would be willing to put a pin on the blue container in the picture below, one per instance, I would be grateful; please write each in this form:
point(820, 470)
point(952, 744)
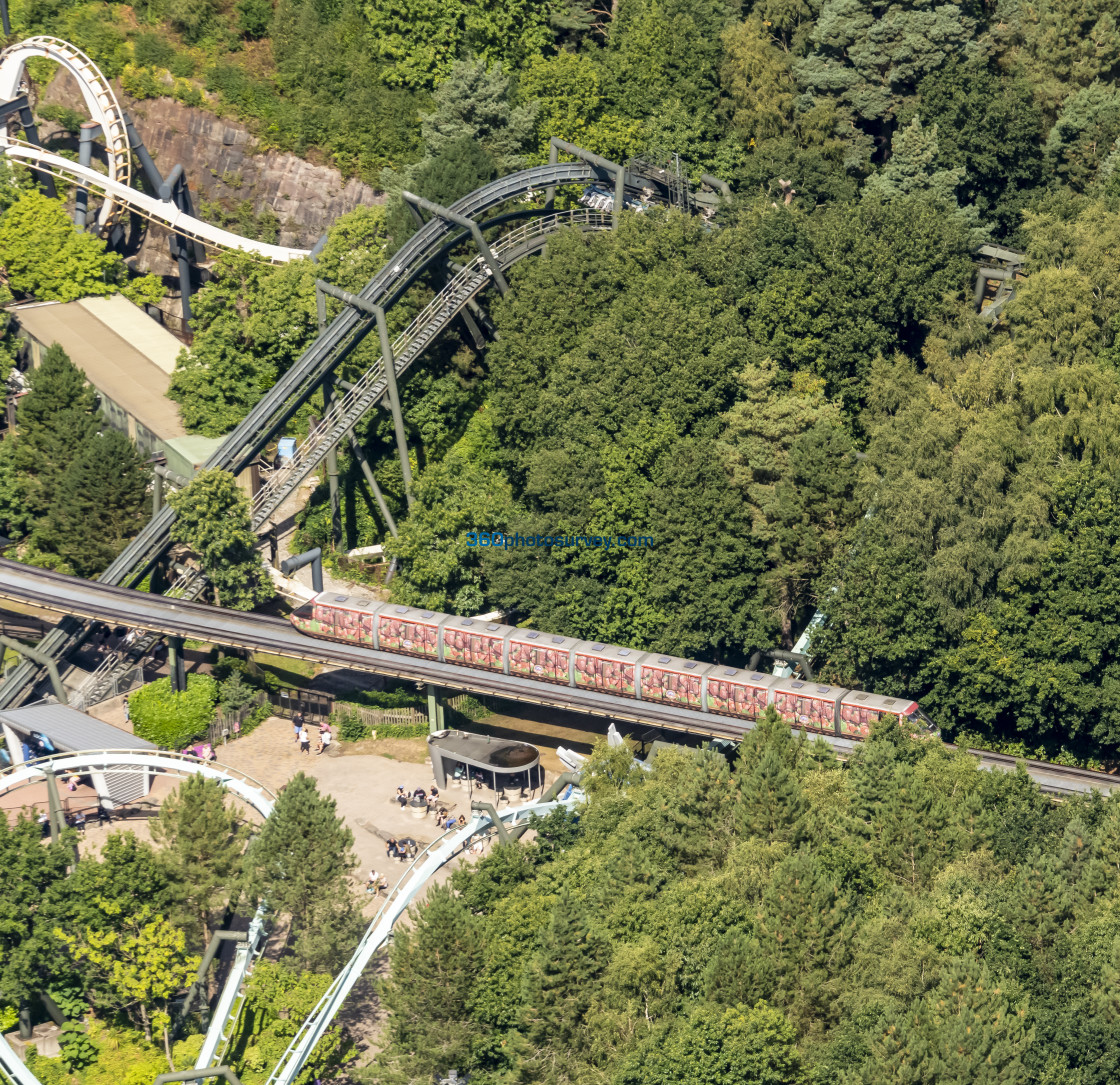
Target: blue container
point(286, 449)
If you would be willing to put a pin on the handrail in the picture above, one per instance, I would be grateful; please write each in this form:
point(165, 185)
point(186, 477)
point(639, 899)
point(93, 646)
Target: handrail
point(377, 934)
point(213, 769)
point(345, 410)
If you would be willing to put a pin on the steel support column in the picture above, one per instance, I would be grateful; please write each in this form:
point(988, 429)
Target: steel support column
point(176, 664)
point(90, 130)
point(44, 661)
point(389, 364)
point(612, 169)
point(394, 401)
point(332, 467)
point(360, 455)
point(461, 220)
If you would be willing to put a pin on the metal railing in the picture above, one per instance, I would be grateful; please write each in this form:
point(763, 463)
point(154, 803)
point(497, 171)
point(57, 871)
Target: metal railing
point(346, 411)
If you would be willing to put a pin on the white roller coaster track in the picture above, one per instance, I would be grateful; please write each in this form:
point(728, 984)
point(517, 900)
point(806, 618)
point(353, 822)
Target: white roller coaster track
point(114, 186)
point(411, 884)
point(171, 764)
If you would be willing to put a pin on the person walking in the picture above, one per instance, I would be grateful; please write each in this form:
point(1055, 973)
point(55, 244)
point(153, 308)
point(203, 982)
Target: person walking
point(127, 711)
point(297, 724)
point(304, 741)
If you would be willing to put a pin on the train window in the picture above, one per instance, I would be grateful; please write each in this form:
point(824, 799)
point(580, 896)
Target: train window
point(663, 659)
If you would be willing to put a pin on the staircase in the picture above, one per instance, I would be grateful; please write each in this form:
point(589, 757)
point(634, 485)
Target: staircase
point(102, 683)
point(347, 411)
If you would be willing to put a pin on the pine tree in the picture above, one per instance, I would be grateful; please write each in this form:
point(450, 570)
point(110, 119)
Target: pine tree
point(966, 1032)
point(56, 419)
point(913, 171)
point(434, 964)
point(562, 979)
point(213, 520)
point(302, 859)
point(770, 803)
point(99, 503)
point(202, 848)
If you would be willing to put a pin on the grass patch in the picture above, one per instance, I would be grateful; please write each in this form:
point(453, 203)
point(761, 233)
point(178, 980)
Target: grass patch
point(290, 672)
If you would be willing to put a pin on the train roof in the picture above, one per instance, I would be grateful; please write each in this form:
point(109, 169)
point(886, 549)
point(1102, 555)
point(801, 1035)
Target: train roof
point(412, 614)
point(747, 677)
point(897, 705)
point(609, 651)
point(478, 625)
point(802, 687)
point(677, 663)
point(364, 604)
point(543, 640)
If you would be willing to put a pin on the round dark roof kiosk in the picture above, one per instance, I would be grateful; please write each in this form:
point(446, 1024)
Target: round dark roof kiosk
point(500, 759)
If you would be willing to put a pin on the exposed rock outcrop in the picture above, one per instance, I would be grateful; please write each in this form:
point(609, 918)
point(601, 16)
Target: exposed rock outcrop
point(222, 166)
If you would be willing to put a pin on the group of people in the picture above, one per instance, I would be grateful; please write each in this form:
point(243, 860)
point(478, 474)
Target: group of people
point(429, 798)
point(303, 736)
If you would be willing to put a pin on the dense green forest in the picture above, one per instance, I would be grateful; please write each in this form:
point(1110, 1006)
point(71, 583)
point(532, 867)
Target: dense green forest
point(910, 919)
point(114, 940)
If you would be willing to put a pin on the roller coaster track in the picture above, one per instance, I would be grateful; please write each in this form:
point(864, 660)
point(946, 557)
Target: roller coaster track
point(105, 110)
point(427, 246)
point(227, 1011)
point(250, 791)
point(417, 337)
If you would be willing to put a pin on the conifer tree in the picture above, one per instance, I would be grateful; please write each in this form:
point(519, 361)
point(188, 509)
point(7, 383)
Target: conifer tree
point(434, 963)
point(770, 802)
point(99, 503)
point(56, 419)
point(202, 848)
point(302, 859)
point(562, 979)
point(967, 1031)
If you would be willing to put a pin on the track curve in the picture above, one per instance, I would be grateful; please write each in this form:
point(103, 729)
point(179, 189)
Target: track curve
point(101, 102)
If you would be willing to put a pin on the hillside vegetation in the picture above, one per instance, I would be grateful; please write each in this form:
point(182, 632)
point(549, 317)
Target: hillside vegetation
point(910, 919)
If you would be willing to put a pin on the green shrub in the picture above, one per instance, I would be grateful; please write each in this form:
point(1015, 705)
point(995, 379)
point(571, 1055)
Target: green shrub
point(401, 730)
point(171, 720)
point(255, 719)
point(349, 725)
point(78, 1050)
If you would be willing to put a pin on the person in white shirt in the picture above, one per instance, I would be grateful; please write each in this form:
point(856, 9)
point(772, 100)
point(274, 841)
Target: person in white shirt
point(324, 739)
point(304, 740)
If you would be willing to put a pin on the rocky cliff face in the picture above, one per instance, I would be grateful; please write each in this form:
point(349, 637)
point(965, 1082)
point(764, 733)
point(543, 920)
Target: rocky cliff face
point(222, 167)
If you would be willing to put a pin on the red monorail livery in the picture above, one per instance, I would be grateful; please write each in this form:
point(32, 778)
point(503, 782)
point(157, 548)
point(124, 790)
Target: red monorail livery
point(606, 668)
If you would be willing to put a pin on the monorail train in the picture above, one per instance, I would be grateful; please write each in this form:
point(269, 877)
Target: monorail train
point(605, 668)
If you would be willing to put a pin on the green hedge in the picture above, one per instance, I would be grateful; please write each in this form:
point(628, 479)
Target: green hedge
point(351, 728)
point(171, 720)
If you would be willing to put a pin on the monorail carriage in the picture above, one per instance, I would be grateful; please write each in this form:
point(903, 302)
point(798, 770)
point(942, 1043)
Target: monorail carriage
point(593, 665)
